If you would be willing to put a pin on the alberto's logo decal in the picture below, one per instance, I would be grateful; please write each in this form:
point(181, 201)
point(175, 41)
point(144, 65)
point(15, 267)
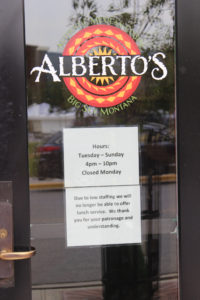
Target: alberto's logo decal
point(102, 66)
point(105, 46)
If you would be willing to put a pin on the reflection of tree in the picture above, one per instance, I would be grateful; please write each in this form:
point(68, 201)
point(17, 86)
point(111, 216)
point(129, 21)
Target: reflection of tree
point(84, 9)
point(151, 20)
point(53, 93)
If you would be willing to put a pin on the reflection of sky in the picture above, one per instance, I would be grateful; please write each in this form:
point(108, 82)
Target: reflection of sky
point(46, 21)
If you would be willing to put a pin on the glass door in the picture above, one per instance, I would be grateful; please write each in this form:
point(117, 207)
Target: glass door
point(102, 149)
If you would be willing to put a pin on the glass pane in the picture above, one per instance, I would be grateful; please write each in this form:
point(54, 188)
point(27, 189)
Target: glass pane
point(93, 65)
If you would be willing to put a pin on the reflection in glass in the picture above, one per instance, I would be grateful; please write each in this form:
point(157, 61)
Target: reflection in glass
point(147, 271)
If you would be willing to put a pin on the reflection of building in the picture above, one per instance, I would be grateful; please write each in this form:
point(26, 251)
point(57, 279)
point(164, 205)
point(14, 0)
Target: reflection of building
point(42, 121)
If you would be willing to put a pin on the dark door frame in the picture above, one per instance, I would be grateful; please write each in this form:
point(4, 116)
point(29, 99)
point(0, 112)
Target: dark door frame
point(188, 128)
point(13, 133)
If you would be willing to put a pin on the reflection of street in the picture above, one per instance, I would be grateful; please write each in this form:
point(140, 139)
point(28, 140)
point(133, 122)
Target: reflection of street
point(168, 290)
point(54, 263)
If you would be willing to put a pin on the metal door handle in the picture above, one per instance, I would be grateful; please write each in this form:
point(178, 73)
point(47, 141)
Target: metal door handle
point(6, 255)
point(9, 253)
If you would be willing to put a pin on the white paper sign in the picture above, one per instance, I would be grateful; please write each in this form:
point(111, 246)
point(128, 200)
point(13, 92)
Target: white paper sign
point(103, 215)
point(101, 156)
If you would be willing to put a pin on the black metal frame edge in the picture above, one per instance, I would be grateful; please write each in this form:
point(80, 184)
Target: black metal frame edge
point(188, 140)
point(13, 117)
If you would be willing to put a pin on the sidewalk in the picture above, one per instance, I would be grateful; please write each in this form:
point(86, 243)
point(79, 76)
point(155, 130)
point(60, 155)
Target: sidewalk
point(48, 184)
point(56, 183)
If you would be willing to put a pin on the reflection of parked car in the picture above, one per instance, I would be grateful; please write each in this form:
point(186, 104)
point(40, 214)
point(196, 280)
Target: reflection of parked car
point(157, 149)
point(156, 145)
point(50, 154)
